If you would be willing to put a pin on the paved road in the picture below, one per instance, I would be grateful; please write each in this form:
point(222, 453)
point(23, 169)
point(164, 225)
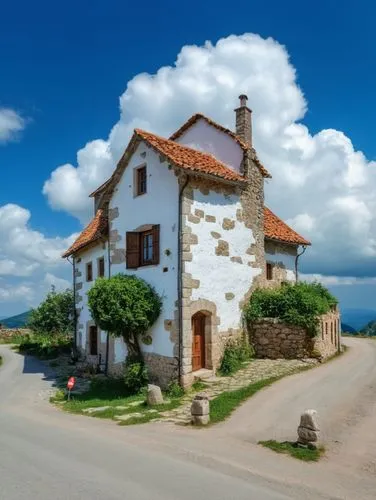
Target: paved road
point(47, 454)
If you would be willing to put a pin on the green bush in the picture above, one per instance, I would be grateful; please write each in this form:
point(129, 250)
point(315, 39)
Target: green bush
point(55, 314)
point(236, 352)
point(125, 306)
point(44, 345)
point(299, 304)
point(135, 376)
point(175, 390)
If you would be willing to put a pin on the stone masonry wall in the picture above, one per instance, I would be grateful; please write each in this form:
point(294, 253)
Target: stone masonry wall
point(273, 339)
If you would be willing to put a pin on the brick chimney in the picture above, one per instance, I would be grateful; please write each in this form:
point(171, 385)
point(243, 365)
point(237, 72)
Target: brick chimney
point(244, 120)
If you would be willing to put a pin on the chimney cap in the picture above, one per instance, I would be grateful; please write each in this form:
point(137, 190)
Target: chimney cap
point(243, 100)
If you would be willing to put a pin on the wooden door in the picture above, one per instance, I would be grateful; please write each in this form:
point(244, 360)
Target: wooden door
point(198, 341)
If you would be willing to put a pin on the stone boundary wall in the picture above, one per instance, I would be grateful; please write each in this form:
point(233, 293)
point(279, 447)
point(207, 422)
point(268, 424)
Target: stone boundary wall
point(273, 339)
point(7, 333)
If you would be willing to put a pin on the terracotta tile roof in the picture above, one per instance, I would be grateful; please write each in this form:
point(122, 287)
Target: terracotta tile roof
point(198, 116)
point(188, 158)
point(96, 229)
point(276, 229)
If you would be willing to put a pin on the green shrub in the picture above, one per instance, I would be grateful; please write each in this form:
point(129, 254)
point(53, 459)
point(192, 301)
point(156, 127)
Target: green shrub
point(135, 376)
point(45, 345)
point(55, 314)
point(175, 390)
point(125, 306)
point(299, 304)
point(236, 352)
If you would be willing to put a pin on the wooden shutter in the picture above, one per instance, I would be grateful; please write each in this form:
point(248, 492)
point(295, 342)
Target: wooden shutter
point(155, 244)
point(133, 250)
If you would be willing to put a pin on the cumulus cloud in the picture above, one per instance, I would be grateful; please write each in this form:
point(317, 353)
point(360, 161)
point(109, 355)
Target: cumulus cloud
point(29, 261)
point(11, 124)
point(331, 281)
point(321, 184)
point(23, 293)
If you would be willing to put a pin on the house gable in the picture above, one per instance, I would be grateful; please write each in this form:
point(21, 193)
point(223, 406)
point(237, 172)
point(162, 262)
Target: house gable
point(203, 136)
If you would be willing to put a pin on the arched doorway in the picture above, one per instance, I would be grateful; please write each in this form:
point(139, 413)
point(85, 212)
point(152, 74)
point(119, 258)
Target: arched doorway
point(198, 341)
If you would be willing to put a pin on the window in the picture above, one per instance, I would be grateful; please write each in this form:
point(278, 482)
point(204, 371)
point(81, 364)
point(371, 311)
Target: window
point(141, 181)
point(143, 247)
point(331, 332)
point(146, 248)
point(269, 271)
point(101, 267)
point(93, 341)
point(326, 328)
point(89, 271)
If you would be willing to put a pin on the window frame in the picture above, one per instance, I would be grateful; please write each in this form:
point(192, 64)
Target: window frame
point(140, 180)
point(269, 271)
point(143, 236)
point(135, 247)
point(89, 275)
point(99, 261)
point(91, 343)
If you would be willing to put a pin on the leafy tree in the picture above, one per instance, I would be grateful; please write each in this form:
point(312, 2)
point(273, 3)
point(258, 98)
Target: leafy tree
point(55, 314)
point(298, 304)
point(125, 306)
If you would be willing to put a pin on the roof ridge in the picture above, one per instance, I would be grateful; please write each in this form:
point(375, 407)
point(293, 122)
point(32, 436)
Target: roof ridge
point(183, 146)
point(195, 117)
point(245, 147)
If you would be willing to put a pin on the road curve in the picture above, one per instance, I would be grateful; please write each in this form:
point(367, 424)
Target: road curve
point(46, 453)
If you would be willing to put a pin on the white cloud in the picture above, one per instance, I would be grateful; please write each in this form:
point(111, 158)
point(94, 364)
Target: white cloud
point(337, 280)
point(11, 124)
point(320, 182)
point(19, 293)
point(59, 283)
point(25, 252)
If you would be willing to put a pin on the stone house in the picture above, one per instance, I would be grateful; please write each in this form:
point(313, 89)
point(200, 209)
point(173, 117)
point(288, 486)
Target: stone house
point(186, 214)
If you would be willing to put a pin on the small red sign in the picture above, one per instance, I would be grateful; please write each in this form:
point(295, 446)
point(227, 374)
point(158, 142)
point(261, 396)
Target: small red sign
point(71, 383)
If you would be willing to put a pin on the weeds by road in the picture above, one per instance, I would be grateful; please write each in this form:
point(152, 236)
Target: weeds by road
point(306, 454)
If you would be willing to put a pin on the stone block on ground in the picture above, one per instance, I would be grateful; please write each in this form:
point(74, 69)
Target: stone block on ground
point(96, 409)
point(154, 395)
point(200, 409)
point(308, 430)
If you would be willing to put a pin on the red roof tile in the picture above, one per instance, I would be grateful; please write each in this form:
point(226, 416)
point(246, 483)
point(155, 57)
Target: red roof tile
point(276, 229)
point(188, 158)
point(198, 116)
point(96, 229)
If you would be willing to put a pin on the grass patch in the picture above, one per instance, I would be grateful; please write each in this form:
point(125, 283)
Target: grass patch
point(306, 454)
point(223, 405)
point(113, 394)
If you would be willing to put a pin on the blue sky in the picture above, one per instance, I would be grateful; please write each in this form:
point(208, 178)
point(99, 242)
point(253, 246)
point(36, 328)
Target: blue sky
point(64, 68)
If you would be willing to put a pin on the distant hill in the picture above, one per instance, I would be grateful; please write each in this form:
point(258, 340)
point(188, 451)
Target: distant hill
point(18, 321)
point(347, 328)
point(369, 329)
point(357, 318)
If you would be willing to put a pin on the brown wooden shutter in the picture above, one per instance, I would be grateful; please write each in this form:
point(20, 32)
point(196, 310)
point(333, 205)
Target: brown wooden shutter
point(156, 244)
point(133, 250)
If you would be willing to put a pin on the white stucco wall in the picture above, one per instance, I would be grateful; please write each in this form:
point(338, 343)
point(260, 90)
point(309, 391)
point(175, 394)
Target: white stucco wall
point(286, 259)
point(92, 254)
point(218, 275)
point(158, 206)
point(205, 137)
